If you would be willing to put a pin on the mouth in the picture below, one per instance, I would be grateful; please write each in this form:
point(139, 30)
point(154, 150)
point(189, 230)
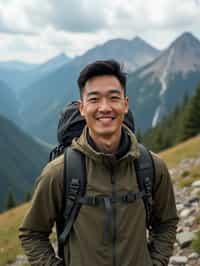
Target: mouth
point(105, 118)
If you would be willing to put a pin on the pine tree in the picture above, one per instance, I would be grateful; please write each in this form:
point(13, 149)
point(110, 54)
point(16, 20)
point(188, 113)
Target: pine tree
point(28, 196)
point(191, 117)
point(10, 201)
point(139, 135)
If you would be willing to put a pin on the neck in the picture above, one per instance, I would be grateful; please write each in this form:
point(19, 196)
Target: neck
point(107, 144)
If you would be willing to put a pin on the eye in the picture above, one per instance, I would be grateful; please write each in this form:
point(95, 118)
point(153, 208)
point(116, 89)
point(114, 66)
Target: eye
point(93, 99)
point(115, 97)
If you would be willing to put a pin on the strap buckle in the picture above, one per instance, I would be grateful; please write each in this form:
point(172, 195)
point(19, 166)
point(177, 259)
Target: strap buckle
point(92, 201)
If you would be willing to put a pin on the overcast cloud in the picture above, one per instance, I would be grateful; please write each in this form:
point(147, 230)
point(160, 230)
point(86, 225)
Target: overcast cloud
point(35, 31)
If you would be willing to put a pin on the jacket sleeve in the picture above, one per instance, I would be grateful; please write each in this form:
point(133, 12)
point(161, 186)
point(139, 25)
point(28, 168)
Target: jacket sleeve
point(39, 221)
point(165, 219)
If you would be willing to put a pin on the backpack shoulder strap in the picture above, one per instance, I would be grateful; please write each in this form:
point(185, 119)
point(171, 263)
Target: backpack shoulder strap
point(145, 173)
point(74, 188)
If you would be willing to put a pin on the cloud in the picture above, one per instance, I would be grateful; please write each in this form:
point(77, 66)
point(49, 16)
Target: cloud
point(71, 16)
point(86, 16)
point(197, 2)
point(13, 20)
point(75, 26)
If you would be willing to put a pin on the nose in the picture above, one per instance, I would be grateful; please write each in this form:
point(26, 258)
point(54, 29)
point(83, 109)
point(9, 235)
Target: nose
point(104, 105)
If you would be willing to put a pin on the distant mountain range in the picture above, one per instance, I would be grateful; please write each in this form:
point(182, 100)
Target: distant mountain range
point(155, 89)
point(22, 159)
point(9, 105)
point(14, 65)
point(19, 75)
point(157, 82)
point(51, 93)
point(34, 95)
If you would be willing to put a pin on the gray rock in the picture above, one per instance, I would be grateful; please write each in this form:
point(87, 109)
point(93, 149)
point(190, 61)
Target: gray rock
point(196, 184)
point(194, 199)
point(195, 191)
point(184, 239)
point(178, 260)
point(179, 229)
point(190, 221)
point(186, 212)
point(180, 207)
point(20, 260)
point(193, 256)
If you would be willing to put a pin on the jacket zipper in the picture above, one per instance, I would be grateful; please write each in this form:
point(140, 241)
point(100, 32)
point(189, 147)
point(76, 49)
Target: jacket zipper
point(114, 231)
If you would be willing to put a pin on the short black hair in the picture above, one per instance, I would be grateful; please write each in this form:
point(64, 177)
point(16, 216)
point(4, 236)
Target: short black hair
point(101, 68)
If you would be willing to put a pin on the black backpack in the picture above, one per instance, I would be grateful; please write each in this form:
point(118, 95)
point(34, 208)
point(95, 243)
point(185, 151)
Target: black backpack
point(70, 125)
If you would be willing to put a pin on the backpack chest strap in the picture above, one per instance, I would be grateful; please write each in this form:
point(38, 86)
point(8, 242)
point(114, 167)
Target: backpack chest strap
point(108, 202)
point(129, 197)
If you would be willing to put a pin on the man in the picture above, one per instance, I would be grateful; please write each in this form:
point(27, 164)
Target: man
point(115, 234)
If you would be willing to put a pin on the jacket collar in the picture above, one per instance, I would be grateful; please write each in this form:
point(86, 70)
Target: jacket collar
point(129, 147)
point(123, 148)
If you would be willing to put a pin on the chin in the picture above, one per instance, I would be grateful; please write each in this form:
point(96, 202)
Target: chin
point(106, 132)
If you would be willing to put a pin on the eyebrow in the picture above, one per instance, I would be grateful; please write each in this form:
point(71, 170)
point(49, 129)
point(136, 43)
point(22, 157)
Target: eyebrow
point(97, 93)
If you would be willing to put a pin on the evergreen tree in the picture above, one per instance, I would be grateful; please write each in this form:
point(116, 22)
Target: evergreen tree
point(167, 131)
point(139, 135)
point(28, 196)
point(10, 201)
point(191, 117)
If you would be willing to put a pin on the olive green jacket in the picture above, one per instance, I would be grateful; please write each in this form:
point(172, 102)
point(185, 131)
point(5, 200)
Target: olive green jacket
point(126, 243)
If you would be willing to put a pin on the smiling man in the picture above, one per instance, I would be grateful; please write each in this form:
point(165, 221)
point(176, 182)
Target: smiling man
point(111, 226)
point(104, 105)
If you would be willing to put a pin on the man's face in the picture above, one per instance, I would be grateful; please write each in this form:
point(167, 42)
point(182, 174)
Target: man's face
point(103, 105)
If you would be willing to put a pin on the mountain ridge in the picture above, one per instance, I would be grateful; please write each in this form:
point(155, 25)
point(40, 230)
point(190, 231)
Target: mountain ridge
point(57, 89)
point(161, 85)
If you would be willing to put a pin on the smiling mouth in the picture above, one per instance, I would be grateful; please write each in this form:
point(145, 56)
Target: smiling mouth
point(105, 118)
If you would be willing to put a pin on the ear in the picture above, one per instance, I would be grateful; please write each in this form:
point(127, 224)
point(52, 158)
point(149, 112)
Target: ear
point(126, 104)
point(80, 107)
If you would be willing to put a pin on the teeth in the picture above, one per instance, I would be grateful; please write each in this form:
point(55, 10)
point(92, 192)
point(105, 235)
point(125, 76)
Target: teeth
point(106, 118)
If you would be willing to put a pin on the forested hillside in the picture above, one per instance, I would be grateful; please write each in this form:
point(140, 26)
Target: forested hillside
point(180, 125)
point(21, 160)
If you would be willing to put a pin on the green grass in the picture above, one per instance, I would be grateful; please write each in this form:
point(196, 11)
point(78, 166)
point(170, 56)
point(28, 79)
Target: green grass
point(9, 230)
point(184, 150)
point(188, 177)
point(196, 243)
point(9, 242)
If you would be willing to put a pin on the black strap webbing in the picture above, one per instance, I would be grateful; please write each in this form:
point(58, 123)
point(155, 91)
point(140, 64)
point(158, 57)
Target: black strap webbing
point(145, 172)
point(75, 183)
point(129, 197)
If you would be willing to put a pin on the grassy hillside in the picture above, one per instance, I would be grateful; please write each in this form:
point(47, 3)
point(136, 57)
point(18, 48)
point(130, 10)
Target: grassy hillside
point(9, 242)
point(10, 221)
point(184, 150)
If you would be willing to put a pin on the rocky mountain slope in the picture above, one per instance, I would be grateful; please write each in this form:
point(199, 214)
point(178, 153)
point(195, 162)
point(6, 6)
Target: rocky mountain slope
point(155, 89)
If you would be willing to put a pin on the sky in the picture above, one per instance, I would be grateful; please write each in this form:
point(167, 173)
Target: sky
point(34, 31)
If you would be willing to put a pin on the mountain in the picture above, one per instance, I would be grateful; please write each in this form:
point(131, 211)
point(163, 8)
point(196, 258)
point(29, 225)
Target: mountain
point(53, 63)
point(155, 89)
point(16, 65)
point(132, 53)
point(9, 106)
point(177, 126)
point(19, 75)
point(21, 161)
point(44, 99)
